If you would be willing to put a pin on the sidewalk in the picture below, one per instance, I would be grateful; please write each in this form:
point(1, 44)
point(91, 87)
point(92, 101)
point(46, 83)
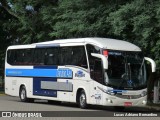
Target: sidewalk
point(153, 106)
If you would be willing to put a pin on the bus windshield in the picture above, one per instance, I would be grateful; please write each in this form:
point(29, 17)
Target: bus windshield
point(126, 70)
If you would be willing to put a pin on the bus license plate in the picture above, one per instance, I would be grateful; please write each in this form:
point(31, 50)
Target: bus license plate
point(127, 103)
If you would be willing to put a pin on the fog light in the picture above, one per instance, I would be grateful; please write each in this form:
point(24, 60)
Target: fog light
point(144, 102)
point(110, 101)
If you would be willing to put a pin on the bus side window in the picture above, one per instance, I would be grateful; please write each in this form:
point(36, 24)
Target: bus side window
point(74, 55)
point(79, 56)
point(95, 63)
point(19, 55)
point(97, 72)
point(27, 57)
point(65, 56)
point(11, 57)
point(51, 56)
point(39, 55)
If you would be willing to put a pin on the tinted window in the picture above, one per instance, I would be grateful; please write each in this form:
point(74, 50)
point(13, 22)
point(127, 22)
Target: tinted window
point(48, 56)
point(27, 56)
point(66, 56)
point(39, 56)
point(52, 56)
point(126, 69)
point(11, 56)
point(92, 49)
point(20, 57)
point(73, 56)
point(95, 64)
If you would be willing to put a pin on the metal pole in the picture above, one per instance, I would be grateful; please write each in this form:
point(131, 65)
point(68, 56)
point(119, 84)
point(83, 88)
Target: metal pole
point(156, 92)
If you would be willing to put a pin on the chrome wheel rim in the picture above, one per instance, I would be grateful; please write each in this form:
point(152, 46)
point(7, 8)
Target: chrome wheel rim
point(82, 99)
point(23, 94)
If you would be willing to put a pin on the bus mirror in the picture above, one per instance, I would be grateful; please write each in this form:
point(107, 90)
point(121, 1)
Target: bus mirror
point(153, 64)
point(103, 58)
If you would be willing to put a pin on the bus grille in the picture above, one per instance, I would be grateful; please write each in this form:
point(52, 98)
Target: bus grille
point(128, 96)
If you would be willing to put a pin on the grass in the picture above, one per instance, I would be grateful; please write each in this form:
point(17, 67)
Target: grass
point(1, 86)
point(1, 92)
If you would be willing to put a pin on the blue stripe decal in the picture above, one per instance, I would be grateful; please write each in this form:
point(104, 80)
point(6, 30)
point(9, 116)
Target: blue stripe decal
point(38, 72)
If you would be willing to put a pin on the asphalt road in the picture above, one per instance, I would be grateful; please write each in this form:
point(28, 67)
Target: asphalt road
point(70, 111)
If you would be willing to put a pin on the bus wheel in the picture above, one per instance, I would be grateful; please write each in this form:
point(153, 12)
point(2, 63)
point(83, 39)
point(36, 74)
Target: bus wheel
point(23, 94)
point(82, 100)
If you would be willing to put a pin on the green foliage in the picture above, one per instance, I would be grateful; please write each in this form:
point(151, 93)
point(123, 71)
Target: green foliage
point(5, 37)
point(137, 21)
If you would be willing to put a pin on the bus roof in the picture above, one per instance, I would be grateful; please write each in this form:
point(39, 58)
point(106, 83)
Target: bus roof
point(105, 43)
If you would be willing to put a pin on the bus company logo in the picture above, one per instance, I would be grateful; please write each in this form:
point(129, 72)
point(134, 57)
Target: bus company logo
point(79, 74)
point(97, 96)
point(129, 82)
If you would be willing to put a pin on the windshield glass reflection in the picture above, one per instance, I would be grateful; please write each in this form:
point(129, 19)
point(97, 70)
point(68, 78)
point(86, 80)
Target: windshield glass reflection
point(126, 70)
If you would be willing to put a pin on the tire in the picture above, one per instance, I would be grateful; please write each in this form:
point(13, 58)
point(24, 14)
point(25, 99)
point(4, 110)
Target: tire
point(23, 94)
point(82, 100)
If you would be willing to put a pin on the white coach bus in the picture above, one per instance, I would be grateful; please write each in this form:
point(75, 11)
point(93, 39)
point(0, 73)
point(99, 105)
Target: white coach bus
point(98, 71)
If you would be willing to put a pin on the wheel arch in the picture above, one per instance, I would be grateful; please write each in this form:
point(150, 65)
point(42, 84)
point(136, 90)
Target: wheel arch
point(78, 92)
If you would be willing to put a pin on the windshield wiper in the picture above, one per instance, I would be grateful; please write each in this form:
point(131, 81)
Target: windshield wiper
point(126, 77)
point(130, 82)
point(129, 72)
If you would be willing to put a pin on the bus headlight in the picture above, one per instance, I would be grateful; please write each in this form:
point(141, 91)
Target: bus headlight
point(144, 102)
point(144, 93)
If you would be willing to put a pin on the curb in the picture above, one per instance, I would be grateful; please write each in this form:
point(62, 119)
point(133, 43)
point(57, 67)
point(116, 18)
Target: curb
point(153, 107)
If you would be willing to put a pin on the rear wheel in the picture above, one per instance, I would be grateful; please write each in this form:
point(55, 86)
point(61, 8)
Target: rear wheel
point(82, 100)
point(23, 94)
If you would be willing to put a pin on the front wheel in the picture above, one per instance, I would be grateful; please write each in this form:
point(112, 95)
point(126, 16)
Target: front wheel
point(82, 100)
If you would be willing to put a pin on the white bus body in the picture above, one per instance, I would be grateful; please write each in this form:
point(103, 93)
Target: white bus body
point(97, 71)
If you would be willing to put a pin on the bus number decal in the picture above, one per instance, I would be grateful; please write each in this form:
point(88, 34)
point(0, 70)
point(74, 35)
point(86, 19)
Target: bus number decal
point(64, 73)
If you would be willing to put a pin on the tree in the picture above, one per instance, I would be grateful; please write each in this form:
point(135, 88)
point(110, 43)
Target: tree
point(136, 21)
point(5, 38)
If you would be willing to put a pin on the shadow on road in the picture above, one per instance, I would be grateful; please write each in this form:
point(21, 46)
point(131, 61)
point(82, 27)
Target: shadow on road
point(90, 107)
point(104, 108)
